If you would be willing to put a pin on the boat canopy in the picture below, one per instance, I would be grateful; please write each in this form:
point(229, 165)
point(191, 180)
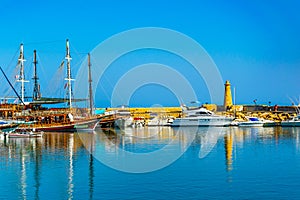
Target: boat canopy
point(254, 119)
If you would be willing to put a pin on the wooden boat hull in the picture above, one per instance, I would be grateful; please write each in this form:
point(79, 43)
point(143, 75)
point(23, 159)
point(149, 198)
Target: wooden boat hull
point(77, 126)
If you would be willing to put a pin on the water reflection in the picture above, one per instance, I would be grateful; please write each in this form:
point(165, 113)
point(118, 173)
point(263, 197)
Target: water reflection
point(23, 176)
point(235, 138)
point(30, 154)
point(91, 176)
point(157, 137)
point(37, 170)
point(70, 169)
point(228, 143)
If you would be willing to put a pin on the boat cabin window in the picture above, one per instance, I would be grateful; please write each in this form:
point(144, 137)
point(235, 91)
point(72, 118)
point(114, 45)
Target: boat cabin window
point(203, 113)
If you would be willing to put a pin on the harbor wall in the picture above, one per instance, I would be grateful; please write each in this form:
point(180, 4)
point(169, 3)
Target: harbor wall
point(264, 111)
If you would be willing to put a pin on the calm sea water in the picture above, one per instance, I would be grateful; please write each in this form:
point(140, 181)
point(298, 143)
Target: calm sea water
point(232, 163)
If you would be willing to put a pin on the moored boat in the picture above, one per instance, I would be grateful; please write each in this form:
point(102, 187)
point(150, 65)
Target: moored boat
point(159, 121)
point(138, 122)
point(6, 126)
point(294, 122)
point(48, 119)
point(123, 118)
point(26, 133)
point(200, 116)
point(252, 122)
point(86, 124)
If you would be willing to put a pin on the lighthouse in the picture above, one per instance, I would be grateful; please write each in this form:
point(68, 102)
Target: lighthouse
point(227, 96)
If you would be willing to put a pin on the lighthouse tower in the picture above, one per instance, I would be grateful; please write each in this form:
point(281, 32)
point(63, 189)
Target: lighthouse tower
point(227, 96)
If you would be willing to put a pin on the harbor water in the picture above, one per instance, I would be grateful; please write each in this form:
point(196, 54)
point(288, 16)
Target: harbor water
point(221, 163)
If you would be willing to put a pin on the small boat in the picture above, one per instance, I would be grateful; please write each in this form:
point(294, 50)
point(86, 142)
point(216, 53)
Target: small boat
point(138, 122)
point(293, 122)
point(200, 116)
point(123, 122)
point(252, 122)
point(159, 121)
point(123, 118)
point(155, 121)
point(29, 133)
point(6, 126)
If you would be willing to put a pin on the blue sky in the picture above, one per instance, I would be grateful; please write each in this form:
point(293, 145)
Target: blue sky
point(255, 44)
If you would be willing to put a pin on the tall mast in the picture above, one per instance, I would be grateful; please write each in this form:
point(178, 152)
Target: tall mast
point(21, 79)
point(234, 102)
point(69, 78)
point(36, 89)
point(90, 84)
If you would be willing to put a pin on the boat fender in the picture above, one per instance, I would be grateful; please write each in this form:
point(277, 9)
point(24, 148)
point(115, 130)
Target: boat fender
point(71, 117)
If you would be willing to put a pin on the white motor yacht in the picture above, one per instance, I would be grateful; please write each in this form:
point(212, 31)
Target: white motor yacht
point(200, 116)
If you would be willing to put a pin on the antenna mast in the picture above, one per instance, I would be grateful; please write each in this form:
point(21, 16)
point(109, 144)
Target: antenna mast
point(36, 89)
point(21, 79)
point(69, 78)
point(90, 84)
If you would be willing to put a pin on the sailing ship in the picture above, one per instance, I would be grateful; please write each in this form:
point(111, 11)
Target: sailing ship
point(51, 119)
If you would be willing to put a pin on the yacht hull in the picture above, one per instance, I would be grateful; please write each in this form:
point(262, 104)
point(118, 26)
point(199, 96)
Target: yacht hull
point(213, 121)
point(251, 124)
point(290, 124)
